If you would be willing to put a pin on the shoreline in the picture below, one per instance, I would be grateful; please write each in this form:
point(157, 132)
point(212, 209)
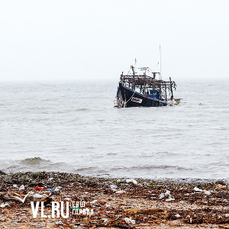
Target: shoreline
point(113, 202)
point(189, 180)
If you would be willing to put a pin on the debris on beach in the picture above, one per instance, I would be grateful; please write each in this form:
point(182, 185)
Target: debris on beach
point(109, 203)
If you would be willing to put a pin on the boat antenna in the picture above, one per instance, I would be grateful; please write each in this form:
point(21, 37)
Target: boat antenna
point(160, 62)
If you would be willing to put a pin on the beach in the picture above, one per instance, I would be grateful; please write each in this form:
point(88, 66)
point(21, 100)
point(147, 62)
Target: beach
point(114, 114)
point(65, 200)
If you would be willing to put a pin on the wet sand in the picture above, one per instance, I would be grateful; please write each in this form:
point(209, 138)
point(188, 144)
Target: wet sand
point(90, 202)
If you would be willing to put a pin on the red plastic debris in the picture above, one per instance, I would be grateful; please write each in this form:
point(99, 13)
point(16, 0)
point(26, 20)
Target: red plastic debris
point(39, 188)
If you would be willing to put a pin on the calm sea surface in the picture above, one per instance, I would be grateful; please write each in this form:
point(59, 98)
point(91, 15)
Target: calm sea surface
point(73, 127)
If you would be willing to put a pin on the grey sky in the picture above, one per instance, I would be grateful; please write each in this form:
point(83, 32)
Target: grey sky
point(98, 39)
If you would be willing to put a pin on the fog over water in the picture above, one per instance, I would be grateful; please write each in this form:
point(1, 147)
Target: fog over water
point(97, 39)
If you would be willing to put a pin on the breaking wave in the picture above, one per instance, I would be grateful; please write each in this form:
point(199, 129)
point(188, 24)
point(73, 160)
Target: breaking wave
point(34, 161)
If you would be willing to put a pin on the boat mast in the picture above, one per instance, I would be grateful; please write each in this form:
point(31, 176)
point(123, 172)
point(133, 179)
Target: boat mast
point(171, 85)
point(132, 67)
point(160, 62)
point(133, 82)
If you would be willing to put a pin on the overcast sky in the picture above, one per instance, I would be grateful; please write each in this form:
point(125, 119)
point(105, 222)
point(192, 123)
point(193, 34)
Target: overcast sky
point(98, 39)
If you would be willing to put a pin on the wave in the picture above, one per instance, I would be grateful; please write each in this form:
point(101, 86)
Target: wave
point(90, 168)
point(82, 109)
point(34, 161)
point(34, 164)
point(154, 167)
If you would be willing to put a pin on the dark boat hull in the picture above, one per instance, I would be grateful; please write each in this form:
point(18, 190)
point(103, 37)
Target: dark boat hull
point(129, 98)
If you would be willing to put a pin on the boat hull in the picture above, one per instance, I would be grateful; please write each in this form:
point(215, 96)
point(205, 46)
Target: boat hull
point(126, 97)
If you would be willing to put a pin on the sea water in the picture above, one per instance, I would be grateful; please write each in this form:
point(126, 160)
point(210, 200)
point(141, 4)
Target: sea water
point(74, 127)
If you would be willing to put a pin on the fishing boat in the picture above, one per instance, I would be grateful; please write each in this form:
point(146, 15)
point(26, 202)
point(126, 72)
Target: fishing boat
point(145, 88)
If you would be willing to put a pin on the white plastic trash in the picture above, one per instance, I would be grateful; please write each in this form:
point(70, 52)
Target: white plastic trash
point(129, 220)
point(131, 181)
point(22, 187)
